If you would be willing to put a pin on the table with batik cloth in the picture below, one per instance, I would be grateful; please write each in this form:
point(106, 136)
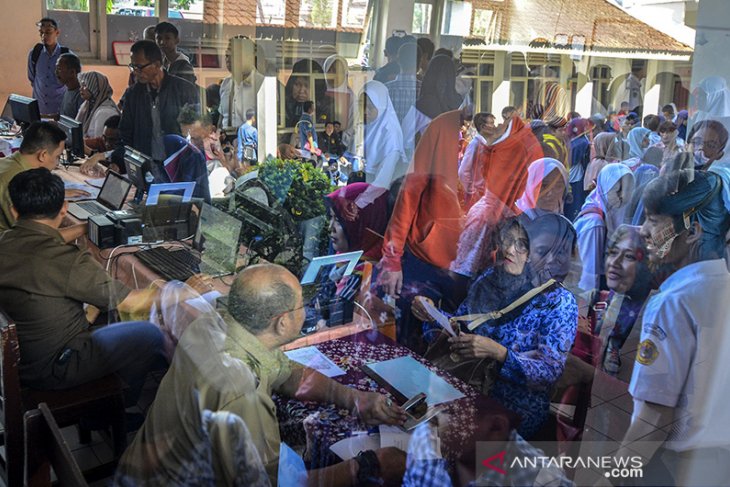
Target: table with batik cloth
point(311, 427)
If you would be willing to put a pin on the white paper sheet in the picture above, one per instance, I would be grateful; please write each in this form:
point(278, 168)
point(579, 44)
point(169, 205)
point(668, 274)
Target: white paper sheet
point(440, 318)
point(95, 182)
point(313, 358)
point(394, 436)
point(351, 446)
point(93, 192)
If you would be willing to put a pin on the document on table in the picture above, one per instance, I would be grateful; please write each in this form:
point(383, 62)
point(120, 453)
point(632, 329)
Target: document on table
point(352, 445)
point(95, 182)
point(93, 192)
point(394, 436)
point(410, 377)
point(311, 357)
point(440, 318)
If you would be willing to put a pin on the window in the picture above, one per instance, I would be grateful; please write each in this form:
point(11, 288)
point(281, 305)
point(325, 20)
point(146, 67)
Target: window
point(457, 18)
point(73, 5)
point(421, 18)
point(318, 13)
point(271, 12)
point(601, 77)
point(353, 13)
point(484, 24)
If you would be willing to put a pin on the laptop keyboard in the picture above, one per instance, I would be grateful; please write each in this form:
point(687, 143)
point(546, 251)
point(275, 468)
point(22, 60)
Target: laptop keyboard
point(92, 207)
point(170, 264)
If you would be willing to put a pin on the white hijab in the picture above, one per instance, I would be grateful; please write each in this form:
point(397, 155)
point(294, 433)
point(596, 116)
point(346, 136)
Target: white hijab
point(383, 135)
point(536, 174)
point(328, 63)
point(609, 176)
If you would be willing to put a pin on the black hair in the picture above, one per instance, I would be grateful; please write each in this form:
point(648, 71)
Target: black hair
point(713, 125)
point(50, 21)
point(167, 28)
point(652, 122)
point(71, 60)
point(667, 126)
point(507, 109)
point(250, 113)
point(668, 108)
point(37, 194)
point(442, 51)
point(392, 44)
point(329, 123)
point(480, 119)
point(42, 136)
point(149, 49)
point(336, 122)
point(190, 113)
point(307, 106)
point(213, 94)
point(113, 122)
point(426, 46)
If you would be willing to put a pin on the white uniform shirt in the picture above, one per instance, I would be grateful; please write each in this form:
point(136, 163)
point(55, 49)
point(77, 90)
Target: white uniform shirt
point(682, 360)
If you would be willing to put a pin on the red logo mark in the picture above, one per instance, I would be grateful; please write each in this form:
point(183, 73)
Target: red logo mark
point(499, 456)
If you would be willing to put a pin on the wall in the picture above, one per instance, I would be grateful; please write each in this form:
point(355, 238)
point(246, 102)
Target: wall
point(20, 29)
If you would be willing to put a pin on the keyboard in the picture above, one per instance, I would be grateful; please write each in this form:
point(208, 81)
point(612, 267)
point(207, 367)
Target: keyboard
point(170, 264)
point(92, 207)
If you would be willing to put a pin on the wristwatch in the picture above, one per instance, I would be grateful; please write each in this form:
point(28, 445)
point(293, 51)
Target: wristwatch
point(368, 472)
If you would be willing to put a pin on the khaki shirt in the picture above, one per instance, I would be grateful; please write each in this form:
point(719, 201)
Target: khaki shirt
point(234, 373)
point(44, 284)
point(9, 167)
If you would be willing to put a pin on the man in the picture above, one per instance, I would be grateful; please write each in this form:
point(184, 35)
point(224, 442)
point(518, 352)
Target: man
point(707, 139)
point(404, 89)
point(238, 92)
point(329, 142)
point(44, 285)
point(98, 147)
point(68, 68)
point(42, 66)
point(42, 146)
point(152, 104)
point(391, 68)
point(175, 63)
point(679, 378)
point(233, 361)
point(668, 112)
point(248, 138)
point(426, 48)
point(652, 123)
point(305, 128)
point(669, 143)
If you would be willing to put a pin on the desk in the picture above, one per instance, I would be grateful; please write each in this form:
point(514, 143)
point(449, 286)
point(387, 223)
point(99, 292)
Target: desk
point(350, 353)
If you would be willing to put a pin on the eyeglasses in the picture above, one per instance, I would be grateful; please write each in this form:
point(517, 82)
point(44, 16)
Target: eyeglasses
point(521, 244)
point(138, 67)
point(710, 144)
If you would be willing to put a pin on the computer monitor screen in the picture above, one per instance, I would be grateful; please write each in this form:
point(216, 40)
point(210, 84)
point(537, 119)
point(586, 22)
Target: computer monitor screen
point(74, 136)
point(137, 164)
point(184, 190)
point(217, 238)
point(25, 110)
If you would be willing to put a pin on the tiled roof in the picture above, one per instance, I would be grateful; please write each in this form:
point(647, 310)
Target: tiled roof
point(604, 26)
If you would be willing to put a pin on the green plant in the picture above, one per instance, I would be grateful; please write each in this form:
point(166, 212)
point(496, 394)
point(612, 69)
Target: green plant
point(321, 13)
point(299, 187)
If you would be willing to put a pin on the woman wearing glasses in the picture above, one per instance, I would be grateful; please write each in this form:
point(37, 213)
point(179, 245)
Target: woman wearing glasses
point(526, 347)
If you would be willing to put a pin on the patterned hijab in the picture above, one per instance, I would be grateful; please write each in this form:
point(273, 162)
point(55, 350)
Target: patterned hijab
point(101, 91)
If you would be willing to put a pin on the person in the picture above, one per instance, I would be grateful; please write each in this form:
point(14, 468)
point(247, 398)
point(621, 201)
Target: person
point(213, 101)
point(426, 49)
point(306, 132)
point(98, 105)
point(678, 378)
point(406, 87)
point(385, 159)
point(175, 63)
point(42, 59)
point(639, 141)
point(390, 70)
point(485, 135)
point(580, 156)
point(547, 184)
point(602, 155)
point(329, 142)
point(152, 104)
point(530, 344)
point(707, 141)
point(681, 122)
point(297, 92)
point(108, 139)
point(238, 91)
point(341, 97)
point(248, 136)
point(652, 122)
point(668, 113)
point(647, 170)
point(45, 285)
point(238, 371)
point(68, 68)
point(670, 143)
point(148, 34)
point(184, 163)
point(601, 215)
point(42, 146)
point(509, 112)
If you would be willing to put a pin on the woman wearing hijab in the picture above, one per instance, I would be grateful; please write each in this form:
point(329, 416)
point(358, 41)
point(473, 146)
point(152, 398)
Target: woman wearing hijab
point(98, 105)
point(297, 93)
point(342, 99)
point(639, 141)
point(600, 216)
point(681, 123)
point(602, 155)
point(580, 155)
point(634, 214)
point(385, 160)
point(529, 344)
point(547, 185)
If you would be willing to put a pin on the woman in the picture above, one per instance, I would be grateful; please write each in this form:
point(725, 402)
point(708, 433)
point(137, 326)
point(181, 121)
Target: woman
point(297, 92)
point(601, 215)
point(340, 96)
point(634, 214)
point(547, 185)
point(98, 105)
point(681, 123)
point(385, 160)
point(639, 141)
point(602, 155)
point(529, 345)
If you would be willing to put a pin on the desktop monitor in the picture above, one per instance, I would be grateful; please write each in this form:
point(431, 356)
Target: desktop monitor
point(217, 239)
point(183, 190)
point(25, 110)
point(74, 138)
point(137, 165)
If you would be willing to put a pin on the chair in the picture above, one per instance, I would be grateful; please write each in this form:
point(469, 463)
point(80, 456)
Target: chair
point(68, 406)
point(45, 448)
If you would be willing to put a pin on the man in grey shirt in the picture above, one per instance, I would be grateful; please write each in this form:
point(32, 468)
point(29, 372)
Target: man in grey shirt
point(68, 68)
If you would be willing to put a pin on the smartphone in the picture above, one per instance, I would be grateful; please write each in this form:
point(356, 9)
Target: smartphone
point(416, 406)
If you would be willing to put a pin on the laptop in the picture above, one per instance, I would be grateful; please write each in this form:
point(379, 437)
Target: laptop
point(111, 198)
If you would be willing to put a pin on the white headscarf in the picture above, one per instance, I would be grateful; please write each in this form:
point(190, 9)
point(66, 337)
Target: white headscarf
point(383, 135)
point(609, 176)
point(536, 174)
point(328, 63)
point(716, 102)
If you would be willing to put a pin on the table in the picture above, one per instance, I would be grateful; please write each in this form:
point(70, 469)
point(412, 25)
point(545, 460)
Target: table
point(313, 427)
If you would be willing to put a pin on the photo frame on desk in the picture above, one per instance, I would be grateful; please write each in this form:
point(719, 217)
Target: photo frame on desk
point(318, 262)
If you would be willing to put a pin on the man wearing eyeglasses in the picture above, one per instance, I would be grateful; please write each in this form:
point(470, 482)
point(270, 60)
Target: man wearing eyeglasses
point(42, 59)
point(151, 104)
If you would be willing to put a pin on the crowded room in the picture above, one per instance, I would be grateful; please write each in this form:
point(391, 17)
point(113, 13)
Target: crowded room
point(333, 243)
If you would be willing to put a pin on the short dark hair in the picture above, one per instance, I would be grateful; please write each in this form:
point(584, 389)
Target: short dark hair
point(668, 108)
point(113, 122)
point(426, 46)
point(213, 95)
point(508, 109)
point(37, 194)
point(651, 122)
point(250, 113)
point(442, 51)
point(714, 125)
point(49, 20)
point(336, 122)
point(329, 123)
point(392, 44)
point(190, 113)
point(307, 106)
point(71, 60)
point(254, 306)
point(167, 28)
point(149, 49)
point(42, 136)
point(667, 126)
point(480, 119)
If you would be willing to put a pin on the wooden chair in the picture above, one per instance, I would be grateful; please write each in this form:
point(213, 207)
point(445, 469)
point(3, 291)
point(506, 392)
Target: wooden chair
point(45, 447)
point(69, 406)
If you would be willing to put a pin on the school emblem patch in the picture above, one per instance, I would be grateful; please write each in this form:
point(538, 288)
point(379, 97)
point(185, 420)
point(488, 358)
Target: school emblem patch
point(647, 352)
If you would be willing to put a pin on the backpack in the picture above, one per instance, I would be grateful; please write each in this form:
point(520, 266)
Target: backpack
point(37, 53)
